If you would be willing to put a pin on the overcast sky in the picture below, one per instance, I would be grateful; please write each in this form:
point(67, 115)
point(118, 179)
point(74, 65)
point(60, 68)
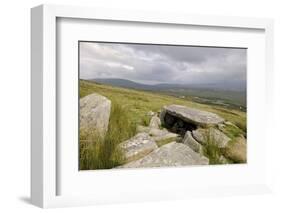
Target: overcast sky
point(153, 64)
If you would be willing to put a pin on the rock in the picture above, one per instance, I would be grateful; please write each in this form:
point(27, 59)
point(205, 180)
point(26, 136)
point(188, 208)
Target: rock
point(189, 115)
point(151, 113)
point(221, 127)
point(155, 122)
point(94, 113)
point(141, 128)
point(137, 146)
point(200, 135)
point(157, 132)
point(220, 139)
point(163, 134)
point(175, 124)
point(237, 150)
point(192, 143)
point(152, 131)
point(211, 134)
point(171, 154)
point(169, 136)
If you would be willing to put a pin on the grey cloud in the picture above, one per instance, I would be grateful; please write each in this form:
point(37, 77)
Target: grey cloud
point(162, 64)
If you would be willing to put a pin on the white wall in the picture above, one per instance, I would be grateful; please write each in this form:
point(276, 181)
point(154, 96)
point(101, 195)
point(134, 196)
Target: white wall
point(15, 98)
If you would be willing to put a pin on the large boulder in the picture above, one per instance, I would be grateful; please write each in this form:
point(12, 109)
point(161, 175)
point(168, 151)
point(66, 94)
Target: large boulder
point(236, 150)
point(171, 154)
point(189, 115)
point(213, 135)
point(137, 146)
point(200, 135)
point(94, 113)
point(192, 143)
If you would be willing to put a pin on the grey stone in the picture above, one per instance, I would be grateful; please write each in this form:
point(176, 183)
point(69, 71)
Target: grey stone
point(211, 134)
point(169, 136)
point(200, 135)
point(171, 154)
point(162, 134)
point(137, 146)
point(155, 122)
point(192, 143)
point(157, 132)
point(141, 128)
point(221, 127)
point(190, 115)
point(94, 113)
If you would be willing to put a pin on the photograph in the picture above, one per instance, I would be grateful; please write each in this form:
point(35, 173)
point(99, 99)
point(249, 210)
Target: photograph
point(132, 106)
point(161, 105)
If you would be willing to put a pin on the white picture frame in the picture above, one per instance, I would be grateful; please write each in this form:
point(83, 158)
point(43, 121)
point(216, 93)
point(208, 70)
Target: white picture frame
point(44, 153)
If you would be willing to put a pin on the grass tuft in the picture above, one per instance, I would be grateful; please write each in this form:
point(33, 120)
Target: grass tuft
point(241, 124)
point(211, 150)
point(145, 120)
point(233, 131)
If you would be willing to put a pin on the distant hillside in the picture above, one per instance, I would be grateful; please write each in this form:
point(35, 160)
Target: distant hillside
point(137, 103)
point(122, 83)
point(204, 93)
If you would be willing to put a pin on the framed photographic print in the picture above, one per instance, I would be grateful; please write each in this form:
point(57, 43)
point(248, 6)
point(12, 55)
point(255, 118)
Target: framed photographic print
point(130, 106)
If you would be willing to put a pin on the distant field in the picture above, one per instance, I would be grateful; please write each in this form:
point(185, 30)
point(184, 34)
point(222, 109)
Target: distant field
point(228, 99)
point(208, 94)
point(137, 103)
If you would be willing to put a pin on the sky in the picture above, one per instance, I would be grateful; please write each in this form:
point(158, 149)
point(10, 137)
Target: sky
point(153, 64)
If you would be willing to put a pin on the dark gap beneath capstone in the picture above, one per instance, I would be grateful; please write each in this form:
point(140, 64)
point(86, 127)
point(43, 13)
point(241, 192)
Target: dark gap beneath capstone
point(177, 125)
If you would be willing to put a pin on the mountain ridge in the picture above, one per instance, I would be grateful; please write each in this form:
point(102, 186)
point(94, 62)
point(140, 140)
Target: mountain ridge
point(135, 85)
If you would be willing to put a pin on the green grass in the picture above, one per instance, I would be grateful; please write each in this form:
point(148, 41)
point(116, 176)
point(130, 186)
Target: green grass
point(212, 151)
point(145, 120)
point(241, 124)
point(138, 103)
point(129, 108)
point(232, 131)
